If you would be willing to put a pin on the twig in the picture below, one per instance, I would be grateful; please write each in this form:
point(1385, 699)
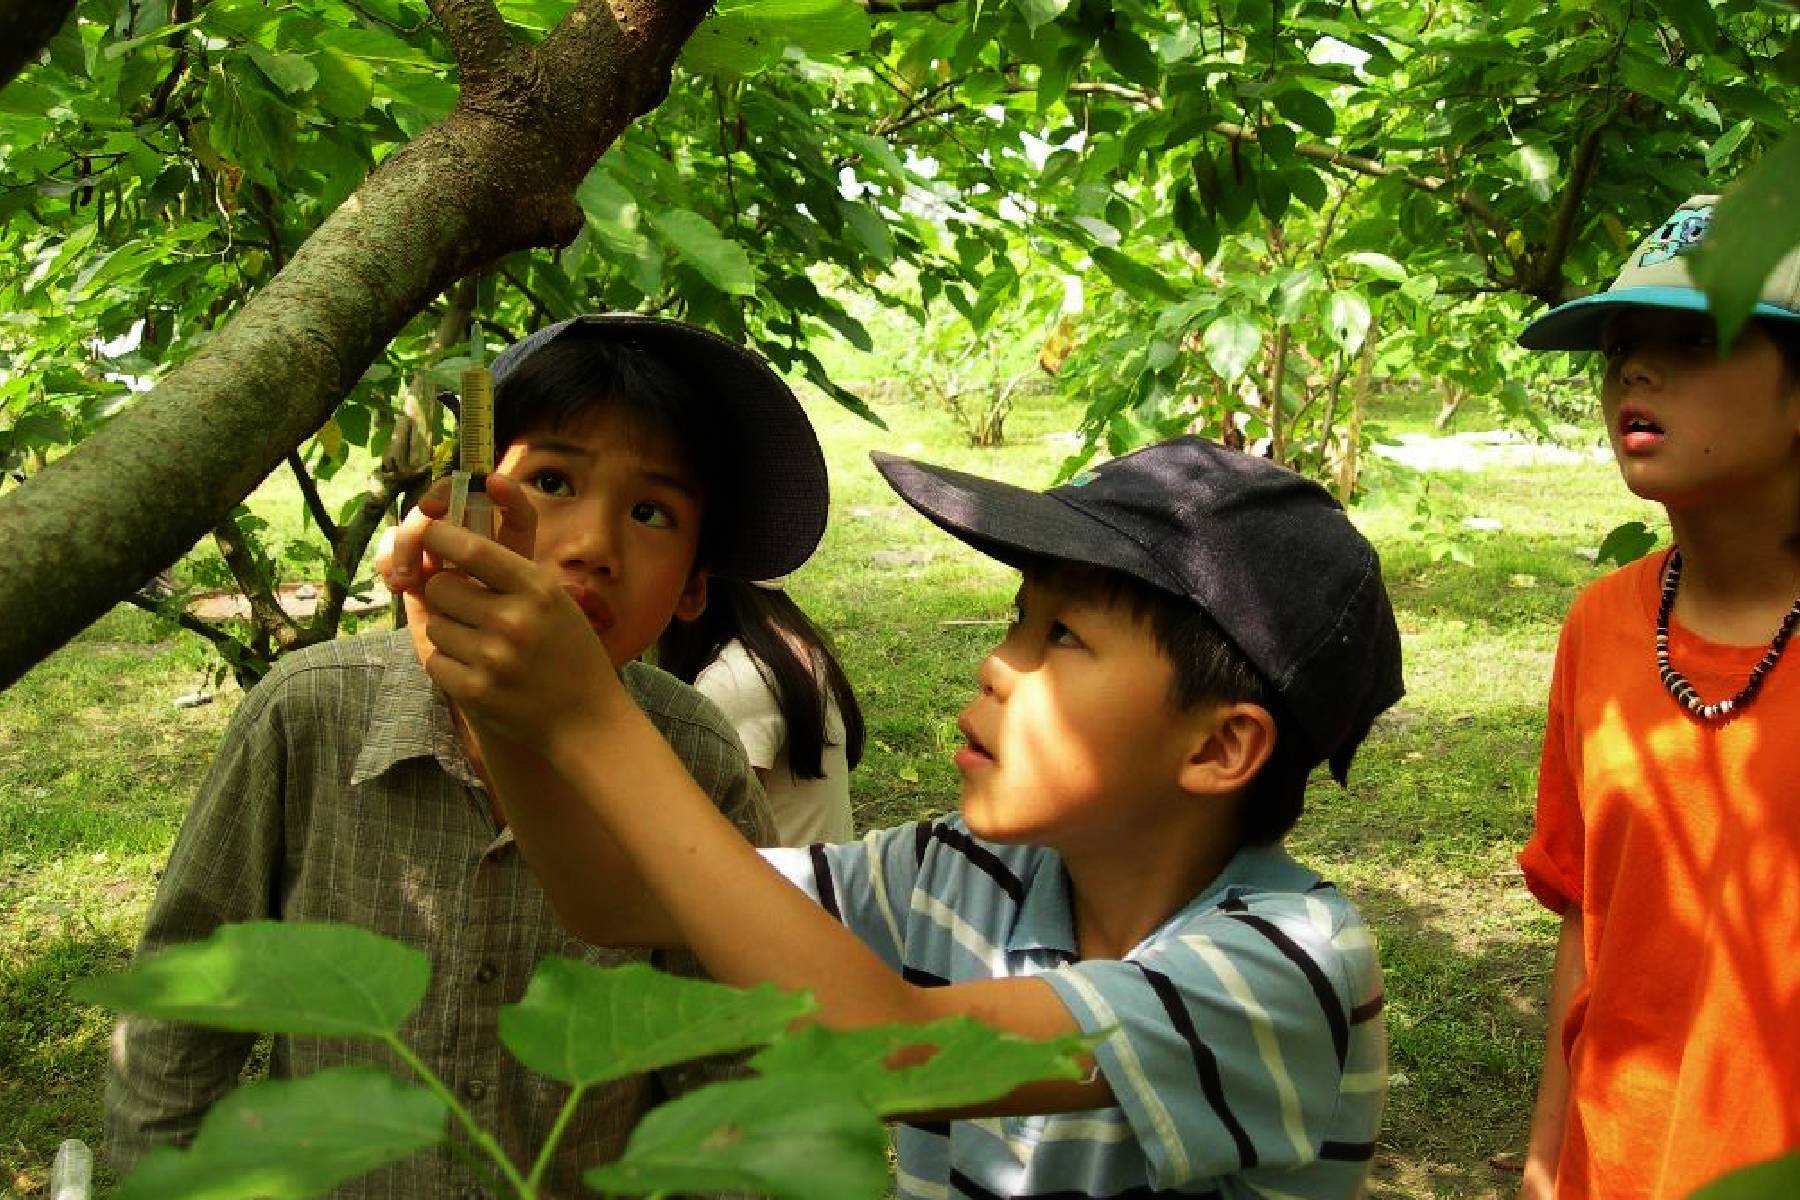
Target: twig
point(315, 503)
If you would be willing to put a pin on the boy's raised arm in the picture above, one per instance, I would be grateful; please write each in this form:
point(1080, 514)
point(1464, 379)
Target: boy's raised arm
point(521, 662)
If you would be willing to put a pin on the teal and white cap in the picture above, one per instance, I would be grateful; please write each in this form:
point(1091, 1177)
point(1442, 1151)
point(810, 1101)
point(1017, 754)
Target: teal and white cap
point(1656, 276)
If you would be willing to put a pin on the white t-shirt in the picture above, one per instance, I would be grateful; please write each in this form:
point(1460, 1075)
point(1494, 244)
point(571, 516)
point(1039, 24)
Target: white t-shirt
point(805, 810)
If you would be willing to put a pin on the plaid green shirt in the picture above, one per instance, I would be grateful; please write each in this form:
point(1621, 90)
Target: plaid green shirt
point(340, 794)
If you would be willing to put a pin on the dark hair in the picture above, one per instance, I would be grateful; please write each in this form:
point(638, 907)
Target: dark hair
point(792, 655)
point(588, 371)
point(1208, 669)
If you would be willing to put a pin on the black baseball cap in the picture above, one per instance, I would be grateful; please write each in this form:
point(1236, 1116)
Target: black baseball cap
point(1267, 554)
point(774, 512)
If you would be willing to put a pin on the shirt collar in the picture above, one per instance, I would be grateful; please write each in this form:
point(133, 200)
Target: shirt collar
point(1046, 920)
point(411, 719)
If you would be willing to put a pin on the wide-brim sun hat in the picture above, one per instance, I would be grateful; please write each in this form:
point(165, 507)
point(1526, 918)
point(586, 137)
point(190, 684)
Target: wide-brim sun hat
point(781, 494)
point(1658, 275)
point(1267, 554)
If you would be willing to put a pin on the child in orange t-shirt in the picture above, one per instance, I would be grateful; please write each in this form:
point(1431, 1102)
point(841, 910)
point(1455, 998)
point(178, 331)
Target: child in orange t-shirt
point(1668, 819)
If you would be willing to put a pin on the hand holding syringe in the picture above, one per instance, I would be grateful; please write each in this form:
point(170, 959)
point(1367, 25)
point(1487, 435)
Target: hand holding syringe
point(469, 503)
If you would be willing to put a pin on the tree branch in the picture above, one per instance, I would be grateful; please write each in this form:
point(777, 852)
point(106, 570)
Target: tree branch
point(1546, 282)
point(477, 36)
point(315, 503)
point(233, 650)
point(266, 612)
point(882, 8)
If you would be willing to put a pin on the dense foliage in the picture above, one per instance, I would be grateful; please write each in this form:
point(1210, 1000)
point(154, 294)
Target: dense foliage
point(1235, 216)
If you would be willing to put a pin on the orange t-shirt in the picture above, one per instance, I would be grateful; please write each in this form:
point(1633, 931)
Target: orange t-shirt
point(1680, 843)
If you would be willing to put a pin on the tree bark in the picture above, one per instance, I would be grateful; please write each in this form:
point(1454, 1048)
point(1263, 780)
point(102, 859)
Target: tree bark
point(496, 176)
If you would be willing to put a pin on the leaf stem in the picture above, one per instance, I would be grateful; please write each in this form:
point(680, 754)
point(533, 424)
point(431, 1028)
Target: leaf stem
point(556, 1132)
point(477, 1134)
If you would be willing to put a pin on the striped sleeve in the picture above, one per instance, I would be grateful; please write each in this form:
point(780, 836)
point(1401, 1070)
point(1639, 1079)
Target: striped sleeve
point(1238, 1040)
point(867, 885)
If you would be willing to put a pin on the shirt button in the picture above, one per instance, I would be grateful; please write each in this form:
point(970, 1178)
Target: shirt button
point(475, 1089)
point(486, 972)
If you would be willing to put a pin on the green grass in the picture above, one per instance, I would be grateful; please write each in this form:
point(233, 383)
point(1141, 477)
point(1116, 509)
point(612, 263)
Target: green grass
point(96, 766)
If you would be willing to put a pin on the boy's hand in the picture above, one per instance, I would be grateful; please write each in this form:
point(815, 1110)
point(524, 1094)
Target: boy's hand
point(405, 567)
point(506, 642)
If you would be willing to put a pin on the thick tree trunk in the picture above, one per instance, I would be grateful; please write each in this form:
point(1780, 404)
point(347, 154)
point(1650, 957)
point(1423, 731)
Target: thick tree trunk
point(497, 176)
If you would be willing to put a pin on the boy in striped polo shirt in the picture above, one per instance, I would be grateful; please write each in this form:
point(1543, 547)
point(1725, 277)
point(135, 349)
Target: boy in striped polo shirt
point(1196, 630)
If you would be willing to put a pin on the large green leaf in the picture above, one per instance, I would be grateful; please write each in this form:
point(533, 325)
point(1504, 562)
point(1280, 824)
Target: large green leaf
point(1231, 344)
point(291, 1138)
point(1307, 110)
point(1626, 543)
point(1757, 224)
point(790, 1138)
point(275, 977)
point(972, 1063)
point(1134, 276)
point(1693, 19)
point(745, 37)
point(585, 1025)
point(1776, 1179)
point(698, 242)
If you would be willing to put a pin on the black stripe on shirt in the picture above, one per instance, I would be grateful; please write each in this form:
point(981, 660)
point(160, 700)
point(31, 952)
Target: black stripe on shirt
point(1206, 1064)
point(923, 978)
point(983, 858)
point(1324, 885)
point(1368, 1010)
point(965, 1186)
point(1321, 986)
point(922, 841)
point(822, 876)
point(1347, 1151)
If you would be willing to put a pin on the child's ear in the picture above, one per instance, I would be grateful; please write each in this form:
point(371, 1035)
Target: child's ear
point(692, 601)
point(1231, 744)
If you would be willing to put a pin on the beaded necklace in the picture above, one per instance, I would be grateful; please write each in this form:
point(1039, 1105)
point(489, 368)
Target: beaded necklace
point(1677, 683)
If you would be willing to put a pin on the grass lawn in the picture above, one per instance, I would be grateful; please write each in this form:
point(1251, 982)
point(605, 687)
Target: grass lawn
point(96, 766)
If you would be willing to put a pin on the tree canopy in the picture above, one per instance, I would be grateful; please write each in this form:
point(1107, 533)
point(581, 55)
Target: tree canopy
point(263, 212)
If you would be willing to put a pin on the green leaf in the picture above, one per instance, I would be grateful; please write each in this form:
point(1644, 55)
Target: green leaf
point(748, 36)
point(877, 152)
point(282, 1138)
point(1131, 56)
point(1231, 344)
point(275, 977)
point(867, 224)
point(1537, 167)
point(585, 1025)
point(1145, 281)
point(612, 212)
point(1756, 225)
point(788, 1138)
point(1040, 12)
point(1307, 110)
point(973, 1062)
point(1378, 265)
point(1693, 20)
point(1347, 318)
point(1775, 1179)
point(346, 83)
point(1294, 290)
point(698, 242)
point(1626, 543)
point(289, 72)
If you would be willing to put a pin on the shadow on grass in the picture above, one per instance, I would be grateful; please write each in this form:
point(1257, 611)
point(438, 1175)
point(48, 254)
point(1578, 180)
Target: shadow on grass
point(1465, 1027)
point(52, 1049)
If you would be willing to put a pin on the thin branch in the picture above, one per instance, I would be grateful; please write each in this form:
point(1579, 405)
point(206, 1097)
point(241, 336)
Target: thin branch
point(265, 610)
point(1546, 280)
point(233, 650)
point(315, 503)
point(348, 549)
point(477, 35)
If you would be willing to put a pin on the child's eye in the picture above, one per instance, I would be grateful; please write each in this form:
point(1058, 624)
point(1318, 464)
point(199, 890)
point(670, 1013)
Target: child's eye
point(650, 513)
point(550, 482)
point(1062, 635)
